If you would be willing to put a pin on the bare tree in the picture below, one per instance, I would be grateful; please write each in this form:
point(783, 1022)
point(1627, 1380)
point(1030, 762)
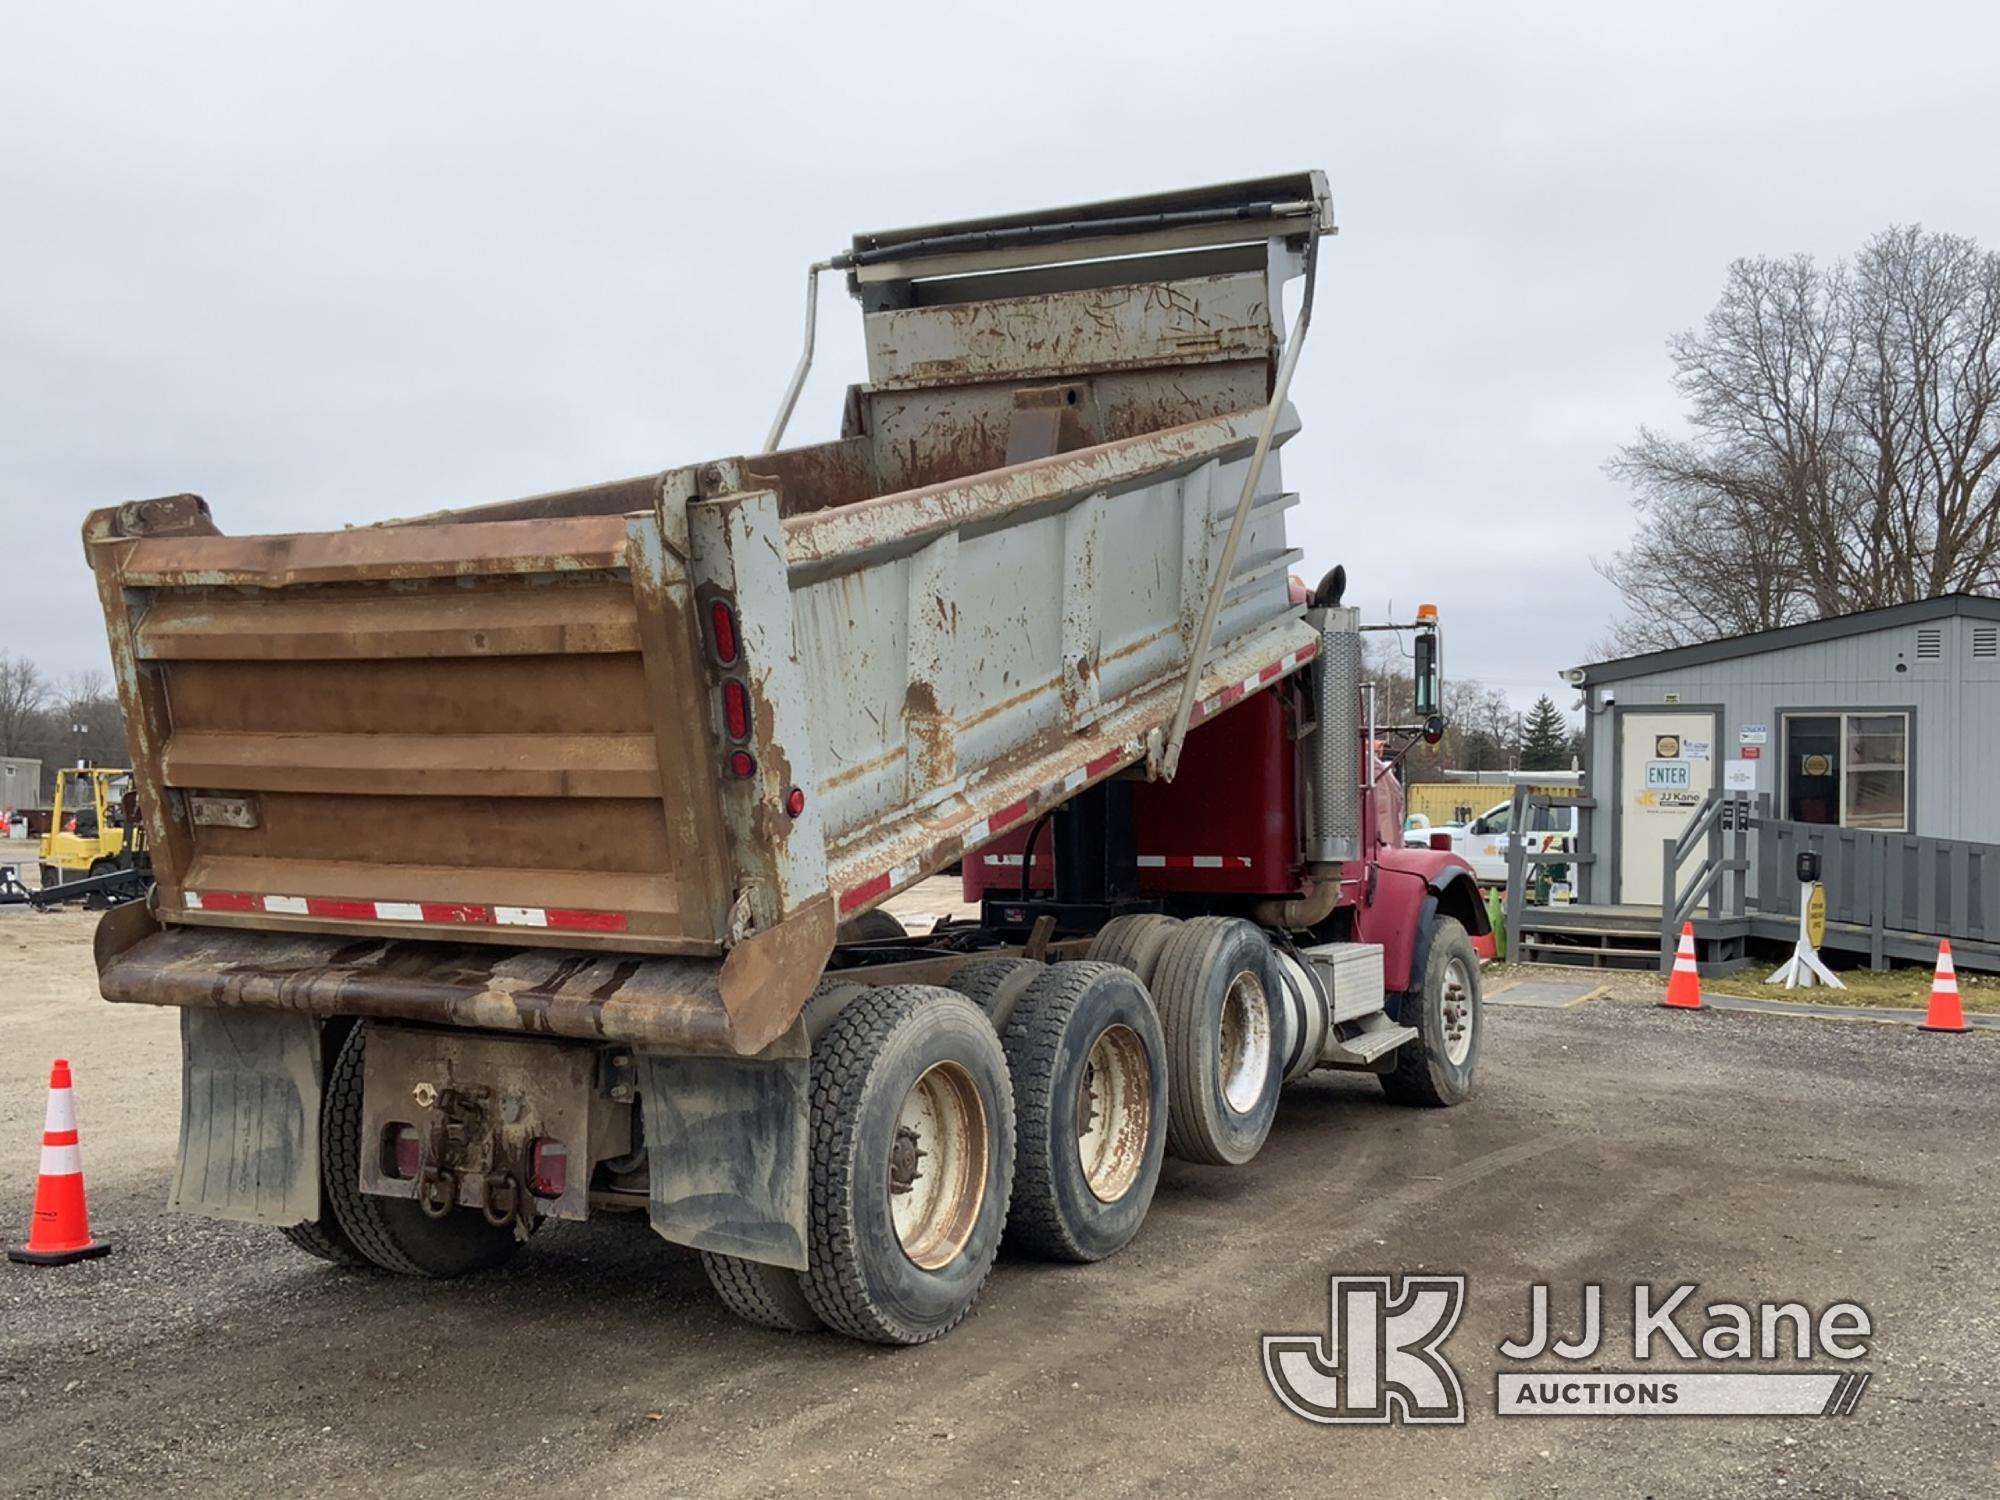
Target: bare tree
point(92, 723)
point(1481, 727)
point(1844, 446)
point(23, 694)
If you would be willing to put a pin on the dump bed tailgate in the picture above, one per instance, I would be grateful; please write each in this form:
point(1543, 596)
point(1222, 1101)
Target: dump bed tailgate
point(448, 730)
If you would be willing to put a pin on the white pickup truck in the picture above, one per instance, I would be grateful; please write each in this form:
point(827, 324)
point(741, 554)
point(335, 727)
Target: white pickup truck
point(1483, 842)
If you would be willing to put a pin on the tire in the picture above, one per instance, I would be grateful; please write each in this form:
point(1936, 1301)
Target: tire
point(769, 1296)
point(917, 1066)
point(1134, 942)
point(1217, 972)
point(871, 927)
point(1085, 1035)
point(395, 1233)
point(1436, 1070)
point(323, 1238)
point(995, 985)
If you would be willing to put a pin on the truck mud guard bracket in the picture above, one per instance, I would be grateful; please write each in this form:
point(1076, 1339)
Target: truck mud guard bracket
point(728, 1147)
point(250, 1102)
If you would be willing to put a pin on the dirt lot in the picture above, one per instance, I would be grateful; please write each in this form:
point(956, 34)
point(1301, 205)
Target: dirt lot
point(1762, 1157)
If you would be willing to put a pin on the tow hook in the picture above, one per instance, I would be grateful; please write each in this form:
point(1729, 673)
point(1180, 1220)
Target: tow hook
point(503, 1199)
point(437, 1192)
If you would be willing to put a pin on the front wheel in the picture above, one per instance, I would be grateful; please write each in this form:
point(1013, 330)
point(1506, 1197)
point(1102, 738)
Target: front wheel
point(1435, 1070)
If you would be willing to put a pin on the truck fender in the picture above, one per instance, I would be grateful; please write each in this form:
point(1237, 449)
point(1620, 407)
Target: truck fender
point(1456, 893)
point(1420, 957)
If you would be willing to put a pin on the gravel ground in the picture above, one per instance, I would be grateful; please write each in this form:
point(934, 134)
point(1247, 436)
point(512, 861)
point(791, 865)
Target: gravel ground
point(1612, 1142)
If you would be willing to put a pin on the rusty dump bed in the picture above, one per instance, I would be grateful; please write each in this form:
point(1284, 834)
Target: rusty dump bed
point(668, 731)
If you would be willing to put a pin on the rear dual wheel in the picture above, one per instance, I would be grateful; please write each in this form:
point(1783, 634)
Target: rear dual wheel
point(1218, 995)
point(1090, 1081)
point(912, 1164)
point(393, 1233)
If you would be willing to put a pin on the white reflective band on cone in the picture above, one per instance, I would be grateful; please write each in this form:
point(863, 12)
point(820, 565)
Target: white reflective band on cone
point(62, 1161)
point(62, 1111)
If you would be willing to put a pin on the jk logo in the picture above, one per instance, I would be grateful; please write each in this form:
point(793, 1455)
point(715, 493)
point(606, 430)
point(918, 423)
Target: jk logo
point(1382, 1362)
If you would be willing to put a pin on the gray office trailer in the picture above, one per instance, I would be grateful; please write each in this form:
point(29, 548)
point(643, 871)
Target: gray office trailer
point(1886, 720)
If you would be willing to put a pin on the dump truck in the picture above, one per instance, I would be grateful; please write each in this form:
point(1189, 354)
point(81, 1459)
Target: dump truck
point(524, 862)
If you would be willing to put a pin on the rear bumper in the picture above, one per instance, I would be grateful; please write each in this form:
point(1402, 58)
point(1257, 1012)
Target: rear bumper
point(739, 1005)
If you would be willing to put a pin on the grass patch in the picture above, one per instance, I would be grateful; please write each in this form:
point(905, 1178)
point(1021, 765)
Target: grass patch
point(1909, 987)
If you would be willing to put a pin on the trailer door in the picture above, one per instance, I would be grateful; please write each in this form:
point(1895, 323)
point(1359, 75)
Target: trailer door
point(1666, 769)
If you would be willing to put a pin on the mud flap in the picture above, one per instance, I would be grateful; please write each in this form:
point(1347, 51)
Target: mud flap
point(250, 1101)
point(728, 1145)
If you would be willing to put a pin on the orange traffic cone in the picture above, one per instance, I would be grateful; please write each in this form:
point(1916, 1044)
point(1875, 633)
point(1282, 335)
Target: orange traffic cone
point(1684, 984)
point(61, 1230)
point(1946, 1013)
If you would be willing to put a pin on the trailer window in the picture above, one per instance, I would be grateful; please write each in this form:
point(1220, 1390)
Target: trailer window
point(1848, 769)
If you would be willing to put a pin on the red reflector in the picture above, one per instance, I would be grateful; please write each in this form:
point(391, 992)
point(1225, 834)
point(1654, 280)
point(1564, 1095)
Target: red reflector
point(403, 1156)
point(736, 709)
point(722, 627)
point(795, 801)
point(1441, 841)
point(548, 1168)
point(741, 764)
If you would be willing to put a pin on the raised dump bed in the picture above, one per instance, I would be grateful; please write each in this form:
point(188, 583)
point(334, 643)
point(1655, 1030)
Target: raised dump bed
point(633, 751)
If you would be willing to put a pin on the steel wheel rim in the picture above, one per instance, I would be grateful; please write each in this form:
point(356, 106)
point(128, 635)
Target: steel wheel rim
point(1456, 1005)
point(1244, 1050)
point(1114, 1113)
point(937, 1165)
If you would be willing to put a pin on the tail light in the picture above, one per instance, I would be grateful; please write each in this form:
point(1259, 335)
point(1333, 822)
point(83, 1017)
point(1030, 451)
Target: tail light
point(742, 763)
point(722, 632)
point(548, 1168)
point(402, 1152)
point(1441, 841)
point(795, 801)
point(736, 709)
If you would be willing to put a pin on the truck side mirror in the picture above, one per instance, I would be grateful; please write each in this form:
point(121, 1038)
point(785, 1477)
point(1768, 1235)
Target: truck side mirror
point(1428, 686)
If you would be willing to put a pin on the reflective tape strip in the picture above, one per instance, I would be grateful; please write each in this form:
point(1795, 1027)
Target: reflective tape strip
point(1290, 662)
point(865, 892)
point(587, 921)
point(60, 1115)
point(61, 1161)
point(429, 913)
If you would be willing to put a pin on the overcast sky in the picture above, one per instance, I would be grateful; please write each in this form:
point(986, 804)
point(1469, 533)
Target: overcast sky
point(326, 264)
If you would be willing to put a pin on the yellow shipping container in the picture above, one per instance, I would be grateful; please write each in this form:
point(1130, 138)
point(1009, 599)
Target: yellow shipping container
point(1462, 801)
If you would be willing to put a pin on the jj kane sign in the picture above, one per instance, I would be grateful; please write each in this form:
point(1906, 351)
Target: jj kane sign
point(1382, 1358)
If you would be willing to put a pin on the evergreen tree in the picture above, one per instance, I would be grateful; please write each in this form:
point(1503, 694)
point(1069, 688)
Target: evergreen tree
point(1545, 738)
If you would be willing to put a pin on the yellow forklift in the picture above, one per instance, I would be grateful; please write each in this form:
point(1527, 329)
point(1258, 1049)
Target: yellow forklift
point(94, 827)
